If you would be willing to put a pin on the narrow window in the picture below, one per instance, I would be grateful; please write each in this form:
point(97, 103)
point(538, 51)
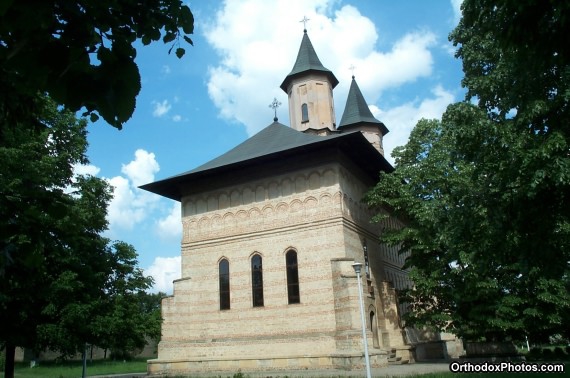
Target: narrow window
point(224, 271)
point(257, 281)
point(304, 113)
point(292, 277)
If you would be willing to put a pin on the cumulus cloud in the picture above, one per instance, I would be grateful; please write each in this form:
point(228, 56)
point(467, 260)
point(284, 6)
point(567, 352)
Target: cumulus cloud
point(177, 118)
point(164, 270)
point(80, 169)
point(161, 108)
point(141, 170)
point(170, 227)
point(402, 119)
point(258, 54)
point(456, 5)
point(130, 205)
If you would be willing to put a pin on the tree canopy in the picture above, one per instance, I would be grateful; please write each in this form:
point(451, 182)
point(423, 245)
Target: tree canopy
point(62, 284)
point(82, 52)
point(485, 191)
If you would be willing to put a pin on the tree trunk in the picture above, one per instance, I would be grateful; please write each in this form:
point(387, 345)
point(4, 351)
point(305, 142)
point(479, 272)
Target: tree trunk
point(9, 363)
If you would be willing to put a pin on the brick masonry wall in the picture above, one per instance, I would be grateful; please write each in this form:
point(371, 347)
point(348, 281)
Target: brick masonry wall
point(317, 213)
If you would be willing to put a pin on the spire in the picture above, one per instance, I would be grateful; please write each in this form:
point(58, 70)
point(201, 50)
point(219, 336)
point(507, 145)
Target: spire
point(307, 61)
point(356, 110)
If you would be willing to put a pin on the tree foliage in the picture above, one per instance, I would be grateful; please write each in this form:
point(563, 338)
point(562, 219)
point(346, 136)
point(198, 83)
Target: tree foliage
point(486, 190)
point(62, 284)
point(82, 52)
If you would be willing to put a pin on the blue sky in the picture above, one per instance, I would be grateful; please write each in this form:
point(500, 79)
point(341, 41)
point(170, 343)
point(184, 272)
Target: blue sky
point(193, 109)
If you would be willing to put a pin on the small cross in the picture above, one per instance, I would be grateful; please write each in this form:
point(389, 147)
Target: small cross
point(274, 105)
point(352, 68)
point(304, 21)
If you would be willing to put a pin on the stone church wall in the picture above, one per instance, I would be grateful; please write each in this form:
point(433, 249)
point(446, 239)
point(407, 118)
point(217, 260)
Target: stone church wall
point(318, 214)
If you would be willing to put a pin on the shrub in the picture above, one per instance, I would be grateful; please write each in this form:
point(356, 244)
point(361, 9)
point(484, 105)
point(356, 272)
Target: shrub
point(535, 354)
point(559, 353)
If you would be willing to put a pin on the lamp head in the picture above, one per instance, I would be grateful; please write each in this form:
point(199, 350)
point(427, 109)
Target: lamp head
point(357, 267)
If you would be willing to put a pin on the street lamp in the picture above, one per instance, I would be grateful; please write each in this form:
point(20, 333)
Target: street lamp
point(357, 268)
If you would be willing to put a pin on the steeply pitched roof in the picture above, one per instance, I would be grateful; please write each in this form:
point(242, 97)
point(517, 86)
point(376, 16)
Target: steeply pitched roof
point(274, 138)
point(307, 60)
point(272, 143)
point(357, 111)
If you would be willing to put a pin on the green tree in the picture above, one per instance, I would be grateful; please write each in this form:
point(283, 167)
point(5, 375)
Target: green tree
point(59, 275)
point(82, 52)
point(485, 191)
point(129, 311)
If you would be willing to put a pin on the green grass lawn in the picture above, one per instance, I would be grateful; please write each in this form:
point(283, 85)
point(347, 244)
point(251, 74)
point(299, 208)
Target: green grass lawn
point(72, 369)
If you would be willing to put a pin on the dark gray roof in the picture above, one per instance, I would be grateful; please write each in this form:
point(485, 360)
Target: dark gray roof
point(274, 143)
point(274, 138)
point(307, 60)
point(357, 111)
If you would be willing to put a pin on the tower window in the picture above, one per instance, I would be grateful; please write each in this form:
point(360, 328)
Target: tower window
point(257, 281)
point(224, 273)
point(304, 113)
point(292, 277)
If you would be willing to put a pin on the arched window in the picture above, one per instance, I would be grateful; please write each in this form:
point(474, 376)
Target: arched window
point(257, 281)
point(292, 277)
point(304, 113)
point(374, 329)
point(224, 273)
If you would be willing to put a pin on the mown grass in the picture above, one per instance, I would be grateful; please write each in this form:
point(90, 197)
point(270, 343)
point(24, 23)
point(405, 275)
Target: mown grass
point(427, 375)
point(73, 369)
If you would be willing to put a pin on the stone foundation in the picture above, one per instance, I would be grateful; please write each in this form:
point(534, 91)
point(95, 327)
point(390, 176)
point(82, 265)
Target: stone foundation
point(211, 367)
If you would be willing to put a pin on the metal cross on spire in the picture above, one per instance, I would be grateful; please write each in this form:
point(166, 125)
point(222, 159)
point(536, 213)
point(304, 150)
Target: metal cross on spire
point(304, 21)
point(274, 105)
point(352, 68)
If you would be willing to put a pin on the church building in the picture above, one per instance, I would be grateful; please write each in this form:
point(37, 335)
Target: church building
point(271, 229)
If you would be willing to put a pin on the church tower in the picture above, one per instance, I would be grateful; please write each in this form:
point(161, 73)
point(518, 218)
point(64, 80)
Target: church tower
point(309, 88)
point(357, 116)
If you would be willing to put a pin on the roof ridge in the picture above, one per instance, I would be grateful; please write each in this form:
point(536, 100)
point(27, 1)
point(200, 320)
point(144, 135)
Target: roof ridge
point(273, 138)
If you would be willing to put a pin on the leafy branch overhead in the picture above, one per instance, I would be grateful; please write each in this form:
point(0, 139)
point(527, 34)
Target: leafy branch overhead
point(82, 52)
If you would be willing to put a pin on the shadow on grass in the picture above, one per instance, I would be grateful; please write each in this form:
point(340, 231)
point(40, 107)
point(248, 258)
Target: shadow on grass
point(73, 369)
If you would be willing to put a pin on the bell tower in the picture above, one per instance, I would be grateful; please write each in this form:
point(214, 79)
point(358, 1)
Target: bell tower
point(309, 87)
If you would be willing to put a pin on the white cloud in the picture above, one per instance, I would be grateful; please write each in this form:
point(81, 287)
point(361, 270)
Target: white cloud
point(122, 212)
point(341, 39)
point(130, 205)
point(164, 270)
point(161, 108)
point(80, 169)
point(170, 227)
point(165, 70)
point(141, 170)
point(177, 118)
point(402, 119)
point(456, 5)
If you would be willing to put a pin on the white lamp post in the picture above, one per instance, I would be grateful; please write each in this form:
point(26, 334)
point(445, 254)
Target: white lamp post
point(357, 268)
